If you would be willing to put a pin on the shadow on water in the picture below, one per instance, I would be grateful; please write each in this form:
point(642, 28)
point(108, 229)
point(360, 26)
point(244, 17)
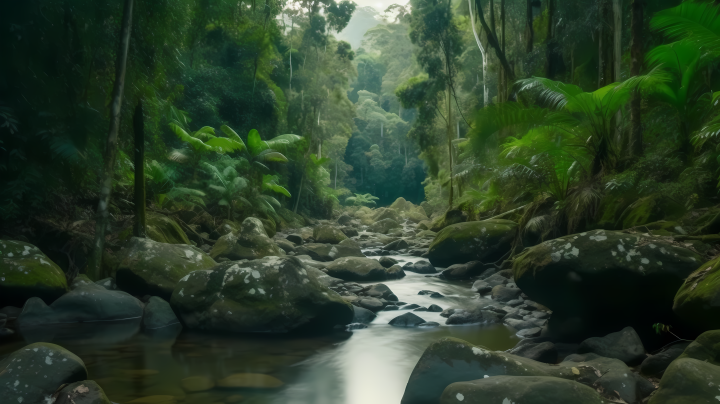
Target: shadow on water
point(370, 365)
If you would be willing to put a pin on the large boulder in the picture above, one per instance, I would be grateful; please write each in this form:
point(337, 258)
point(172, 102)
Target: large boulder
point(384, 226)
point(329, 252)
point(524, 389)
point(688, 381)
point(705, 348)
point(458, 272)
point(147, 267)
point(84, 392)
point(362, 269)
point(697, 302)
point(158, 314)
point(452, 360)
point(26, 272)
point(271, 294)
point(656, 364)
point(624, 345)
point(599, 281)
point(33, 373)
point(616, 377)
point(328, 234)
point(485, 241)
point(85, 303)
point(251, 243)
point(450, 218)
point(385, 213)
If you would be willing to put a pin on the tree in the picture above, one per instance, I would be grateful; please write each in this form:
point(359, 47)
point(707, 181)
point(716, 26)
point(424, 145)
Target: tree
point(139, 194)
point(636, 56)
point(111, 144)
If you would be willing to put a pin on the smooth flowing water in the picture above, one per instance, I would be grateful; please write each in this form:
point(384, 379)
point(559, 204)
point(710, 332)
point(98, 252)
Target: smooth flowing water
point(370, 365)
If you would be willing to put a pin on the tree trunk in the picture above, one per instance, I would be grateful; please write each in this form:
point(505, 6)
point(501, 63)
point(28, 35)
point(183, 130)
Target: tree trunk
point(637, 56)
point(336, 164)
point(502, 45)
point(482, 51)
point(493, 41)
point(302, 181)
point(605, 53)
point(448, 126)
point(139, 196)
point(549, 51)
point(617, 59)
point(529, 31)
point(111, 143)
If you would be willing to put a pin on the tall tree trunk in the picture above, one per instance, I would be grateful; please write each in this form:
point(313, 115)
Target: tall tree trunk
point(139, 196)
point(502, 45)
point(111, 143)
point(550, 44)
point(617, 59)
point(336, 165)
point(529, 31)
point(493, 41)
point(637, 56)
point(486, 94)
point(605, 54)
point(448, 127)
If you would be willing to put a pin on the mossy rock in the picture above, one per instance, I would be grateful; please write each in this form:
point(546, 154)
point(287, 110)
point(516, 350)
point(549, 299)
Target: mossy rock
point(326, 234)
point(450, 218)
point(523, 389)
point(147, 267)
point(705, 348)
point(272, 294)
point(424, 225)
point(252, 243)
point(688, 381)
point(384, 226)
point(622, 278)
point(26, 272)
point(486, 241)
point(661, 228)
point(269, 226)
point(650, 209)
point(697, 302)
point(159, 228)
point(386, 213)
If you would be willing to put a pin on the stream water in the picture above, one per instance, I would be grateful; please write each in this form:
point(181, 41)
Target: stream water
point(370, 365)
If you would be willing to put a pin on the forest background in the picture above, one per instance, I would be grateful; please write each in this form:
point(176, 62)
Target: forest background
point(578, 115)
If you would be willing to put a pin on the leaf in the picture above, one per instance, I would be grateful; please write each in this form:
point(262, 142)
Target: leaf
point(270, 155)
point(225, 145)
point(255, 144)
point(232, 135)
point(282, 141)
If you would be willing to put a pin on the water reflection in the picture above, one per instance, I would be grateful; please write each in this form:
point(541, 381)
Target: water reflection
point(371, 365)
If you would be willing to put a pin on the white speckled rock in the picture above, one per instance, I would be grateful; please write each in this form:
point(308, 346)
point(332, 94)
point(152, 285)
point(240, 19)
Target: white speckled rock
point(271, 294)
point(26, 272)
point(147, 267)
point(32, 374)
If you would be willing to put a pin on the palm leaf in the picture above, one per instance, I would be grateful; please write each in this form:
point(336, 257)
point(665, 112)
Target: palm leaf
point(232, 135)
point(255, 144)
point(694, 21)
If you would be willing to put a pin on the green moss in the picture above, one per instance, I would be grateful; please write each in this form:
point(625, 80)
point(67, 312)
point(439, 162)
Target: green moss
point(26, 272)
point(159, 228)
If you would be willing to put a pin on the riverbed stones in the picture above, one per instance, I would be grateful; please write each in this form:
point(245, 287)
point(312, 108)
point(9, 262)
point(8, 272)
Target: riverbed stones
point(688, 381)
point(84, 392)
point(363, 315)
point(371, 303)
point(656, 364)
point(543, 351)
point(362, 270)
point(271, 294)
point(485, 241)
point(420, 267)
point(387, 262)
point(34, 372)
point(326, 234)
point(396, 245)
point(624, 345)
point(697, 302)
point(525, 390)
point(26, 272)
point(407, 320)
point(147, 267)
point(296, 239)
point(158, 314)
point(384, 226)
point(86, 303)
point(599, 281)
point(381, 291)
point(329, 252)
point(458, 272)
point(504, 294)
point(251, 243)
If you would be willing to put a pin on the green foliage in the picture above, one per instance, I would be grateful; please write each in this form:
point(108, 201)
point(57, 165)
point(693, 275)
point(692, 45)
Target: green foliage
point(362, 200)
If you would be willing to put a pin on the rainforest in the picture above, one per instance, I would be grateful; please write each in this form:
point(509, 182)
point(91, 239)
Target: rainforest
point(360, 202)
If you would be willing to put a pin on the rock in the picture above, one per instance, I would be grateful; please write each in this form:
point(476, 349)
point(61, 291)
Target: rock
point(697, 303)
point(363, 315)
point(295, 238)
point(450, 217)
point(475, 315)
point(381, 291)
point(26, 272)
point(361, 269)
point(84, 392)
point(344, 219)
point(147, 267)
point(325, 234)
point(434, 308)
point(485, 241)
point(36, 371)
point(529, 332)
point(271, 294)
point(349, 231)
point(426, 234)
point(158, 314)
point(705, 348)
point(396, 245)
point(599, 281)
point(544, 352)
point(504, 294)
point(285, 245)
point(250, 380)
point(384, 226)
point(624, 345)
point(429, 324)
point(406, 320)
point(481, 287)
point(355, 326)
point(655, 365)
point(688, 380)
point(420, 267)
point(252, 243)
point(520, 324)
point(194, 384)
point(463, 271)
point(495, 280)
point(385, 213)
point(107, 283)
point(86, 303)
point(525, 390)
point(387, 262)
point(371, 304)
point(328, 252)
